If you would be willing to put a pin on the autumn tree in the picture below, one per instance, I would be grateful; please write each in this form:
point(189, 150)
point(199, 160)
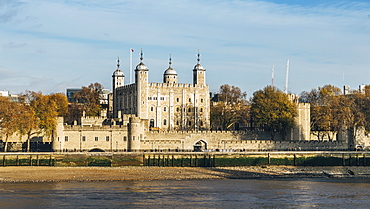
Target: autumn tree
point(39, 114)
point(34, 114)
point(28, 123)
point(362, 101)
point(61, 103)
point(229, 109)
point(333, 112)
point(9, 119)
point(273, 111)
point(88, 100)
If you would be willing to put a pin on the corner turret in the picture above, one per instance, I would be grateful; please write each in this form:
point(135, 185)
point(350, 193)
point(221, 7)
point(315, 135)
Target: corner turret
point(199, 73)
point(118, 81)
point(141, 81)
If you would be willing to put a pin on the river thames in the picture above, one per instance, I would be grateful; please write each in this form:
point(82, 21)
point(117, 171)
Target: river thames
point(224, 193)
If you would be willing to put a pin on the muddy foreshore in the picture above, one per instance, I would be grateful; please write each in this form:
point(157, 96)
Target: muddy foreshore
point(63, 174)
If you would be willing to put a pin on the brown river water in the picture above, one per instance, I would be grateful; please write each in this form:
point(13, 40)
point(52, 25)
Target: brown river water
point(224, 193)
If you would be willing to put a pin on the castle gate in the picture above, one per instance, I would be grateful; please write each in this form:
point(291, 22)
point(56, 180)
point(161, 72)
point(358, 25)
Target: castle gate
point(200, 145)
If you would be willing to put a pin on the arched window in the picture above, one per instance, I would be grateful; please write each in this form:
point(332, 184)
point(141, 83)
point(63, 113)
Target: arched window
point(165, 122)
point(151, 123)
point(151, 109)
point(201, 110)
point(177, 109)
point(189, 110)
point(164, 109)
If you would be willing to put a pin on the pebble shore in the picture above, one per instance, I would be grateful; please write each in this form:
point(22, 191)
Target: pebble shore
point(70, 174)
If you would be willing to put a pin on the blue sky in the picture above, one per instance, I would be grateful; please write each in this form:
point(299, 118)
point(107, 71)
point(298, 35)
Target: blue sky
point(51, 45)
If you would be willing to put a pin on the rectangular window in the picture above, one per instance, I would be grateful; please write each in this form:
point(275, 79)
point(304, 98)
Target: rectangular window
point(162, 98)
point(107, 138)
point(96, 138)
point(66, 138)
point(83, 138)
point(124, 138)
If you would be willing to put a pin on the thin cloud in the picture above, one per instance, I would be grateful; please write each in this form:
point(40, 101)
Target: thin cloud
point(80, 39)
point(9, 9)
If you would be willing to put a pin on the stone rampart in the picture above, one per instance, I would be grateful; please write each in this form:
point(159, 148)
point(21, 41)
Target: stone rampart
point(226, 140)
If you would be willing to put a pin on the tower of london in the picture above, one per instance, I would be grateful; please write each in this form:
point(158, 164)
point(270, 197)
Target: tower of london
point(168, 106)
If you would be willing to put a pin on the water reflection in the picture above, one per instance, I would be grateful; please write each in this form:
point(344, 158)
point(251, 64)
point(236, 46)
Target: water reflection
point(262, 193)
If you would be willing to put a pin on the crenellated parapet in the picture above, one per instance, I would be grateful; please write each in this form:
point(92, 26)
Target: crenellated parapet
point(94, 127)
point(126, 87)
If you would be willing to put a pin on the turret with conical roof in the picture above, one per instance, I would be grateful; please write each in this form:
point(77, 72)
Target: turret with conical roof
point(170, 75)
point(141, 82)
point(118, 77)
point(199, 73)
point(118, 81)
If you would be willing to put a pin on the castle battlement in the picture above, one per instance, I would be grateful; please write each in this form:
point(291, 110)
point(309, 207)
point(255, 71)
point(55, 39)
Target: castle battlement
point(128, 86)
point(94, 127)
point(180, 85)
point(171, 85)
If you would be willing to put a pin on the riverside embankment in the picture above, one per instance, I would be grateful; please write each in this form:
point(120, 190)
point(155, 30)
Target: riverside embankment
point(186, 159)
point(56, 167)
point(143, 173)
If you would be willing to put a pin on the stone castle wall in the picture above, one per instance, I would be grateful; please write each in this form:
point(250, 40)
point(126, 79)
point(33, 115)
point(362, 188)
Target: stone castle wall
point(135, 137)
point(225, 141)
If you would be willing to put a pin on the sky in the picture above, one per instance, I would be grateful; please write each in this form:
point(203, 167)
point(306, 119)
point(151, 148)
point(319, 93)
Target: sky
point(52, 45)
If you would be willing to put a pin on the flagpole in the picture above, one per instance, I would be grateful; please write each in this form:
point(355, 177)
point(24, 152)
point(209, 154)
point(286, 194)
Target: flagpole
point(130, 65)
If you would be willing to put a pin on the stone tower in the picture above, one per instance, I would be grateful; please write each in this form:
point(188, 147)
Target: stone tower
point(141, 81)
point(135, 134)
point(170, 75)
point(118, 81)
point(199, 73)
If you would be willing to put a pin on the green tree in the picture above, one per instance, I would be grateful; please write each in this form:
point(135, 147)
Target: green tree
point(272, 110)
point(230, 108)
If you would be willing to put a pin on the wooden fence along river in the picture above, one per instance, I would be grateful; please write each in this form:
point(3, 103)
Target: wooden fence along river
point(256, 159)
point(188, 159)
